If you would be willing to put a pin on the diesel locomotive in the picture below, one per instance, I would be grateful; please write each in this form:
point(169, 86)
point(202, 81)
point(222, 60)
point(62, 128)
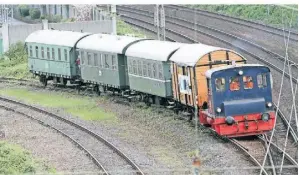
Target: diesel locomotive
point(211, 83)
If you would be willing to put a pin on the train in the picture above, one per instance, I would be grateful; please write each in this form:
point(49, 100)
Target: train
point(213, 84)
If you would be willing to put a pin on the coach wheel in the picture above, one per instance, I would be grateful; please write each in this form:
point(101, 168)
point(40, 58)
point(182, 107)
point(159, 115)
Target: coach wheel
point(64, 81)
point(43, 80)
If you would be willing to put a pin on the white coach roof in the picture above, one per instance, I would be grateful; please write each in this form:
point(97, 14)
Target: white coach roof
point(106, 43)
point(216, 69)
point(55, 37)
point(189, 54)
point(153, 49)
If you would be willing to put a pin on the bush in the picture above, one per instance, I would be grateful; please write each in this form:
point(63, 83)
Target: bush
point(53, 19)
point(24, 10)
point(34, 13)
point(16, 52)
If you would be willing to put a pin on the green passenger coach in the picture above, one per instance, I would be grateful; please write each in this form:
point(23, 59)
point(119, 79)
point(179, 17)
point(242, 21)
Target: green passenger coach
point(102, 60)
point(149, 67)
point(52, 56)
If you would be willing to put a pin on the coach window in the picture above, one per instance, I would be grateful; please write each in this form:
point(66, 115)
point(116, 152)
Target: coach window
point(89, 59)
point(149, 69)
point(154, 70)
point(129, 66)
point(234, 84)
point(59, 54)
point(53, 54)
point(262, 80)
point(36, 52)
point(65, 54)
point(248, 82)
point(82, 57)
point(106, 61)
point(101, 60)
point(220, 84)
point(160, 71)
point(135, 67)
point(114, 62)
point(95, 59)
point(43, 53)
point(48, 53)
point(139, 68)
point(30, 51)
point(144, 68)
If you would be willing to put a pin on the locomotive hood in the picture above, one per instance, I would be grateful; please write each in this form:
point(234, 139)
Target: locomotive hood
point(244, 106)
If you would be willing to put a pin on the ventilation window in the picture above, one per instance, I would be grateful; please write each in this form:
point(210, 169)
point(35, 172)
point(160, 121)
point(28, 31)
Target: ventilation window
point(43, 53)
point(36, 52)
point(160, 68)
point(30, 51)
point(106, 61)
point(114, 65)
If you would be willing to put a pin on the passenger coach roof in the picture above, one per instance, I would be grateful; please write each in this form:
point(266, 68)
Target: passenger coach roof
point(189, 54)
point(106, 43)
point(216, 69)
point(55, 37)
point(153, 49)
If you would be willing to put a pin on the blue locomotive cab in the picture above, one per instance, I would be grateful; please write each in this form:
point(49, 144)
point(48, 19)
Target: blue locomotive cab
point(241, 95)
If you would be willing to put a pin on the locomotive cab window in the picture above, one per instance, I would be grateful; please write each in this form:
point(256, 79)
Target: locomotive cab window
point(234, 84)
point(262, 80)
point(220, 84)
point(248, 82)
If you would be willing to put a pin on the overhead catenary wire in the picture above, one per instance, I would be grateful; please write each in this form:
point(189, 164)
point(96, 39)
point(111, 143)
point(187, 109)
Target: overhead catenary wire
point(279, 97)
point(294, 102)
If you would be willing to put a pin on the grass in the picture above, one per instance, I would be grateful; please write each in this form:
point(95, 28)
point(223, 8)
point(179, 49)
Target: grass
point(83, 107)
point(126, 29)
point(269, 14)
point(15, 160)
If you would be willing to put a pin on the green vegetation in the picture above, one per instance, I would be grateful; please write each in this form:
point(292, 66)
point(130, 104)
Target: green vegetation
point(125, 29)
point(23, 10)
point(34, 13)
point(83, 107)
point(269, 14)
point(14, 64)
point(16, 160)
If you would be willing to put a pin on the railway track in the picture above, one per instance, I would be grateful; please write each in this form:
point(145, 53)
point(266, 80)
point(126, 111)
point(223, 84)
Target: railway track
point(108, 158)
point(273, 60)
point(248, 23)
point(255, 155)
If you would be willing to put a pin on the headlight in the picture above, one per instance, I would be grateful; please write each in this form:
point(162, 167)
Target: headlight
point(269, 104)
point(218, 110)
point(240, 72)
point(229, 120)
point(265, 117)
